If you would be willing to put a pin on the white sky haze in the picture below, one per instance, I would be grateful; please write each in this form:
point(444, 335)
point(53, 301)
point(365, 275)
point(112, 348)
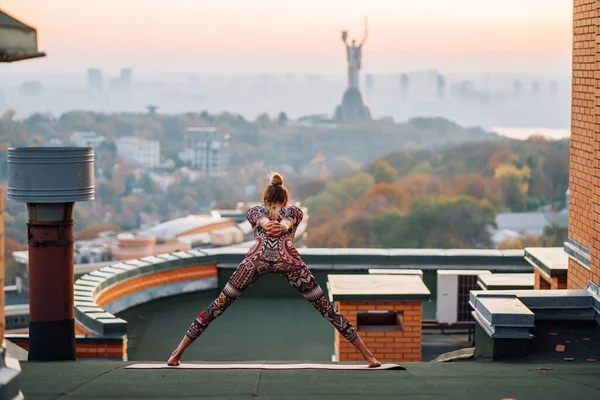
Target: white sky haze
point(299, 36)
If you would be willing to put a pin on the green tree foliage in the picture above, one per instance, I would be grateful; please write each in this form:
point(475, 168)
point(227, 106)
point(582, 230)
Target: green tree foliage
point(514, 197)
point(554, 236)
point(338, 194)
point(148, 185)
point(383, 172)
point(448, 222)
point(309, 189)
point(283, 118)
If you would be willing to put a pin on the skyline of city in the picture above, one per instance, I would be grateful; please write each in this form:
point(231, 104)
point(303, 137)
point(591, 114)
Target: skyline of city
point(488, 102)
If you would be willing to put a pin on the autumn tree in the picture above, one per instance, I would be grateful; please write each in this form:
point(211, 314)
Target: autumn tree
point(149, 185)
point(9, 115)
point(527, 240)
point(308, 189)
point(515, 197)
point(383, 172)
point(448, 222)
point(388, 229)
point(416, 185)
point(554, 235)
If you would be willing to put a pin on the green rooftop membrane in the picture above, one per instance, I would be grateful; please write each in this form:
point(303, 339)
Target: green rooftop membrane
point(252, 328)
point(534, 379)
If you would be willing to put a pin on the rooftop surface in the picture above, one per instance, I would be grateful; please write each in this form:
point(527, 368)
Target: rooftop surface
point(288, 329)
point(253, 328)
point(460, 380)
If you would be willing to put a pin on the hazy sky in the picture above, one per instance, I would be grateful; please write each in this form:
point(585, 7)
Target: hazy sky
point(298, 36)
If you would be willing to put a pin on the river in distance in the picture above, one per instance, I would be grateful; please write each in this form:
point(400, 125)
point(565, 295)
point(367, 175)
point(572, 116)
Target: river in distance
point(525, 133)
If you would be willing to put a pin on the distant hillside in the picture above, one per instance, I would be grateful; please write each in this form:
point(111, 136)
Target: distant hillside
point(267, 138)
point(362, 143)
point(436, 198)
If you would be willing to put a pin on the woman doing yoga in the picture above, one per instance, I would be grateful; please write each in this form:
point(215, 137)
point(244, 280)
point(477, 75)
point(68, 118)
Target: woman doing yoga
point(274, 225)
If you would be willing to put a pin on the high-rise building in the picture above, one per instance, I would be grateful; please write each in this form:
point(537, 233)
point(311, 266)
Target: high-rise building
point(95, 80)
point(535, 88)
point(207, 150)
point(369, 82)
point(440, 86)
point(553, 88)
point(466, 90)
point(517, 88)
point(404, 84)
point(126, 77)
point(137, 151)
point(31, 89)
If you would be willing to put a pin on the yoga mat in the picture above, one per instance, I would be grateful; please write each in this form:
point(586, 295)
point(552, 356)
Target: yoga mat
point(361, 367)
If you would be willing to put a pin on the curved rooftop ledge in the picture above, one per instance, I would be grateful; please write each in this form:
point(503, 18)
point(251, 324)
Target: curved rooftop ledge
point(102, 293)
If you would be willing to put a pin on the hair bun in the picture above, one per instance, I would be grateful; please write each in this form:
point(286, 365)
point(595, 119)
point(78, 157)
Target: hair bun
point(276, 180)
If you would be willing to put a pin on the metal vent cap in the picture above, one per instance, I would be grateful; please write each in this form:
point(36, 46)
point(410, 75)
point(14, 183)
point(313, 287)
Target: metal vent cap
point(50, 174)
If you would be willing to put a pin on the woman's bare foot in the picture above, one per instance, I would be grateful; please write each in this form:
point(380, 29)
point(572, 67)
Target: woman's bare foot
point(175, 359)
point(373, 363)
point(369, 357)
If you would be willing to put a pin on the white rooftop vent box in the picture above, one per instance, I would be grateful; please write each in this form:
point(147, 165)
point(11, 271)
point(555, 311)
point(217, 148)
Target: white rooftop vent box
point(453, 287)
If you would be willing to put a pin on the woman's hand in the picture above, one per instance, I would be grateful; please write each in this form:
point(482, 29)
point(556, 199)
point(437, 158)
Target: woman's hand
point(274, 229)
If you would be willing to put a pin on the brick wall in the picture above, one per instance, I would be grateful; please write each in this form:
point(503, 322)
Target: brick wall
point(544, 282)
point(584, 203)
point(386, 346)
point(103, 348)
point(2, 265)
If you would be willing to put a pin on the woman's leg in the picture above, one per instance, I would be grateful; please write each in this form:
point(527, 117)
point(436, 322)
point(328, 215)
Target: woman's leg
point(242, 278)
point(303, 280)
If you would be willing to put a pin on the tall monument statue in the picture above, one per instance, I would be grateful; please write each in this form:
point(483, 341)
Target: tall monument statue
point(354, 53)
point(353, 108)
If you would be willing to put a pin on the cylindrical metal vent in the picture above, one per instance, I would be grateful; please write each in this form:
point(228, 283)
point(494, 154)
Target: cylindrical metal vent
point(50, 174)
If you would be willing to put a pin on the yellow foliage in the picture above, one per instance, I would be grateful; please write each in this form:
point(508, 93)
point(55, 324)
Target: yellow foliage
point(510, 169)
point(524, 174)
point(520, 243)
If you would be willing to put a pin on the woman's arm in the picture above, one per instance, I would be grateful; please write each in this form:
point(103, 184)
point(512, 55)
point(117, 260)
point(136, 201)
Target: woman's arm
point(257, 216)
point(292, 218)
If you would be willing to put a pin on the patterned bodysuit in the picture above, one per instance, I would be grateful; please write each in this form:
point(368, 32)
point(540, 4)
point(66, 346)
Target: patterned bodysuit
point(272, 255)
